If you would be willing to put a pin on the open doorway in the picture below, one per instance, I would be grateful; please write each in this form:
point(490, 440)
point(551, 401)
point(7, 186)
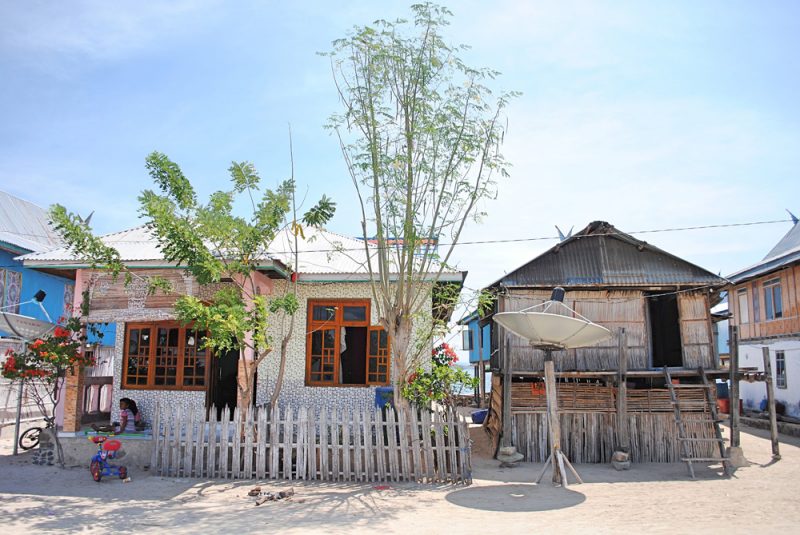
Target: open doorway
point(222, 387)
point(352, 360)
point(665, 330)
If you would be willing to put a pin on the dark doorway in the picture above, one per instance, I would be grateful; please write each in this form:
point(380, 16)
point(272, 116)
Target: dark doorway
point(223, 388)
point(665, 330)
point(353, 358)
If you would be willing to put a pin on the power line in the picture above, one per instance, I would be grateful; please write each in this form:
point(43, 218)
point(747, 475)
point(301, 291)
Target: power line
point(501, 241)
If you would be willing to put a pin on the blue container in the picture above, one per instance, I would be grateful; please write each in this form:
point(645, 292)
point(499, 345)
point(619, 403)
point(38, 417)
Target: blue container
point(384, 395)
point(722, 390)
point(479, 416)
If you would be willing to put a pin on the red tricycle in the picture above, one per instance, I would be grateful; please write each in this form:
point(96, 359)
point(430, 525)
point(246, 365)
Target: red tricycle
point(106, 449)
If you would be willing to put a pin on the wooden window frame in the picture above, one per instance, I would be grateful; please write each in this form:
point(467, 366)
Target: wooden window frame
point(151, 363)
point(780, 370)
point(466, 339)
point(770, 286)
point(744, 313)
point(337, 323)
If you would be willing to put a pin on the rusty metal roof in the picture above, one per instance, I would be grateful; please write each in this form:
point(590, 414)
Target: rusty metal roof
point(601, 255)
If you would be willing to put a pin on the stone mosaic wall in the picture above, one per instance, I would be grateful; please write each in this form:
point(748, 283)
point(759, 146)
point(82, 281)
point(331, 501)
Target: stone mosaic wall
point(294, 391)
point(146, 400)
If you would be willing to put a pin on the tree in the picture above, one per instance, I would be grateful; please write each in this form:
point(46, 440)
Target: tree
point(420, 134)
point(216, 245)
point(43, 365)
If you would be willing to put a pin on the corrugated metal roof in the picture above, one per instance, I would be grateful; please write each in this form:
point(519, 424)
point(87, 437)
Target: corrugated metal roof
point(785, 252)
point(321, 252)
point(136, 244)
point(327, 253)
point(601, 255)
point(25, 225)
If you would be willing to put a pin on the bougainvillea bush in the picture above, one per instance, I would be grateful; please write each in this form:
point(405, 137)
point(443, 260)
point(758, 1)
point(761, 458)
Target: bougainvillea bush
point(442, 383)
point(49, 358)
point(43, 364)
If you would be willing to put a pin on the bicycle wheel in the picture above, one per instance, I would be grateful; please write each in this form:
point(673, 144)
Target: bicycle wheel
point(30, 438)
point(97, 470)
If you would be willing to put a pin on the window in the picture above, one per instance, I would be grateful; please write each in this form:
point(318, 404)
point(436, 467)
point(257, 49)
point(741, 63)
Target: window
point(342, 349)
point(744, 310)
point(780, 369)
point(466, 339)
point(10, 290)
point(773, 305)
point(164, 356)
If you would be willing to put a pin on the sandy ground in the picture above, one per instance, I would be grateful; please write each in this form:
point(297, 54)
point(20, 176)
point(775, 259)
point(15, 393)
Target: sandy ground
point(649, 498)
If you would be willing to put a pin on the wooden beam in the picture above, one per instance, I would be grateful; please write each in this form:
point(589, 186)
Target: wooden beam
point(623, 433)
point(773, 418)
point(734, 389)
point(553, 422)
point(507, 379)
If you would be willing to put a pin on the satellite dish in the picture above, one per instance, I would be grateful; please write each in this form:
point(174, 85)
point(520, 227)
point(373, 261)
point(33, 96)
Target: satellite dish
point(24, 327)
point(546, 325)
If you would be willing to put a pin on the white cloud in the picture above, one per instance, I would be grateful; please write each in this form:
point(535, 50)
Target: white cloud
point(93, 30)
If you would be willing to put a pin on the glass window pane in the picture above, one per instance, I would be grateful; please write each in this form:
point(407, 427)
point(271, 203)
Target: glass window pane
point(324, 313)
point(373, 343)
point(316, 343)
point(355, 313)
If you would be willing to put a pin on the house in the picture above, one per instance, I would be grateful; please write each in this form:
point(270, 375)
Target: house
point(658, 308)
point(24, 228)
point(475, 339)
point(763, 299)
point(337, 355)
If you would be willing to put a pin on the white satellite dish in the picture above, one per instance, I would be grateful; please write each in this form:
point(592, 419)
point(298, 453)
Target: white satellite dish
point(553, 330)
point(24, 327)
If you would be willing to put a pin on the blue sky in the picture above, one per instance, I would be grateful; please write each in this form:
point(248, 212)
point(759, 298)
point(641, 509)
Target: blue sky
point(647, 115)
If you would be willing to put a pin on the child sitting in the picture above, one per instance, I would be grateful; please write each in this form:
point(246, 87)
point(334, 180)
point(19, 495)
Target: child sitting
point(130, 419)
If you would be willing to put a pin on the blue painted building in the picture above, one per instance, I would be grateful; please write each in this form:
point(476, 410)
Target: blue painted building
point(476, 340)
point(24, 229)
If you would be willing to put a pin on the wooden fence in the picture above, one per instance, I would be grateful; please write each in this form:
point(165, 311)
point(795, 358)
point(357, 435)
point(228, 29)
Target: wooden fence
point(305, 445)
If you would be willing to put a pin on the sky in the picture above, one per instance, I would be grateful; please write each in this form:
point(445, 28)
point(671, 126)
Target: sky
point(648, 115)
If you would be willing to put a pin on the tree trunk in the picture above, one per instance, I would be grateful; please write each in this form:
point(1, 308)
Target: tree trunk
point(400, 350)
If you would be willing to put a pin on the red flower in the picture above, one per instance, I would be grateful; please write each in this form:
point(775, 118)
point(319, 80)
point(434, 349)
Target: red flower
point(61, 332)
point(37, 343)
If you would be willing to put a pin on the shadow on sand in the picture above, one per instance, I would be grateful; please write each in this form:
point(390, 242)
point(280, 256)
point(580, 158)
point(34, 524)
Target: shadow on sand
point(516, 498)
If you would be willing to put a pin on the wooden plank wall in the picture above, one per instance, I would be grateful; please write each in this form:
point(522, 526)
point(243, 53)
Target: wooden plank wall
point(343, 445)
point(613, 310)
point(789, 324)
point(696, 334)
point(108, 294)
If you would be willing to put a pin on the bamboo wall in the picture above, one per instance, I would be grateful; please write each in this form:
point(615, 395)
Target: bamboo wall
point(612, 309)
point(789, 324)
point(588, 415)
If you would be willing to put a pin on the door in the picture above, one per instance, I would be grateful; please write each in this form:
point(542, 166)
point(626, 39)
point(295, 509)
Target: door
point(665, 330)
point(222, 387)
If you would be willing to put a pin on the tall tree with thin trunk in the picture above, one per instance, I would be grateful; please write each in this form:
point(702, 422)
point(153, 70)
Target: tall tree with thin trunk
point(420, 132)
point(219, 247)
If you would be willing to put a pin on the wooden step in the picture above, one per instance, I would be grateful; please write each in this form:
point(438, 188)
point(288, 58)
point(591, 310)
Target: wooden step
point(698, 386)
point(705, 459)
point(693, 421)
point(702, 439)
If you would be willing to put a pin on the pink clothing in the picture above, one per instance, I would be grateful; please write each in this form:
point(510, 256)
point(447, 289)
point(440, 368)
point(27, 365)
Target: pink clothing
point(130, 424)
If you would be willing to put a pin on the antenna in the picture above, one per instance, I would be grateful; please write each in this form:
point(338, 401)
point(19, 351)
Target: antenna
point(794, 217)
point(561, 236)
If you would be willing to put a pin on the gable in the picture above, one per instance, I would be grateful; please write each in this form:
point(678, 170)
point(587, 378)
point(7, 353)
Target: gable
point(600, 255)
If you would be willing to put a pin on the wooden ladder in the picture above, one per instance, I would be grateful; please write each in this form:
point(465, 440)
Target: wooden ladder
point(714, 420)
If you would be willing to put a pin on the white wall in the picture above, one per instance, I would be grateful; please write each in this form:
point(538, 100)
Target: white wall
point(752, 394)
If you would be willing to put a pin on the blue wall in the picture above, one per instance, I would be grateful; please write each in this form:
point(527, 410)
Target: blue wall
point(32, 282)
point(475, 352)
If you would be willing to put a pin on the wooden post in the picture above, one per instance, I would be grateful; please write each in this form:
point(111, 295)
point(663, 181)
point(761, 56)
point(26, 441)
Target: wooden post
point(623, 431)
point(506, 440)
point(553, 423)
point(734, 390)
point(773, 419)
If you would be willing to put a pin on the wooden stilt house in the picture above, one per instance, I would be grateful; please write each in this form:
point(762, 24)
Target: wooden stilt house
point(648, 390)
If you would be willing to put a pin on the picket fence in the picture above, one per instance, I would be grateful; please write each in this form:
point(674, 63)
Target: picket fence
point(284, 443)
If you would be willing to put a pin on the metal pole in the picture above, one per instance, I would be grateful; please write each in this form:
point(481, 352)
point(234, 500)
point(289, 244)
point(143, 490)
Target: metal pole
point(19, 406)
point(19, 417)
